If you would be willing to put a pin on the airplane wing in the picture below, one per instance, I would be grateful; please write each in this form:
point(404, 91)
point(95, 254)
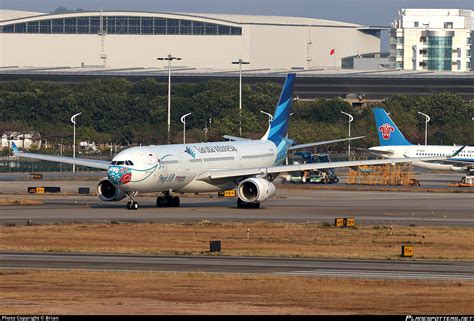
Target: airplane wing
point(243, 173)
point(100, 164)
point(234, 138)
point(323, 143)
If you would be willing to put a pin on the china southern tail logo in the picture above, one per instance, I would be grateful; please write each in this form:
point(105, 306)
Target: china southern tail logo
point(386, 131)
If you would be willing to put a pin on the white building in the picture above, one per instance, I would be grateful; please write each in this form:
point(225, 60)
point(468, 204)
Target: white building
point(135, 39)
point(432, 39)
point(24, 140)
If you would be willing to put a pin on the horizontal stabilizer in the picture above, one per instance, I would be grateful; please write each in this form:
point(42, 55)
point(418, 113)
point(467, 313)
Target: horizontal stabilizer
point(375, 151)
point(234, 138)
point(323, 143)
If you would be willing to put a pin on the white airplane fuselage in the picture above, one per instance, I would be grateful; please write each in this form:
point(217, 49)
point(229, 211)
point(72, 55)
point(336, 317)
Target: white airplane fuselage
point(175, 167)
point(466, 155)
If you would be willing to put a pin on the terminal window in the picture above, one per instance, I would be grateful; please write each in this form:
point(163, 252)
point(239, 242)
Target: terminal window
point(122, 25)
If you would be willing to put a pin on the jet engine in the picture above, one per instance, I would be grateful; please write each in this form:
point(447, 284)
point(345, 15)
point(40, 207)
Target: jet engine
point(107, 192)
point(255, 189)
point(439, 167)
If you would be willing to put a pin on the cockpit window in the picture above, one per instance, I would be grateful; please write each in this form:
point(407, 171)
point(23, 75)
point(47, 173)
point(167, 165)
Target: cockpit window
point(127, 162)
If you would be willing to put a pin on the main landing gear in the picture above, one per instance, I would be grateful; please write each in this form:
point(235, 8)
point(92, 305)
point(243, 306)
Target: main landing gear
point(132, 204)
point(167, 200)
point(242, 204)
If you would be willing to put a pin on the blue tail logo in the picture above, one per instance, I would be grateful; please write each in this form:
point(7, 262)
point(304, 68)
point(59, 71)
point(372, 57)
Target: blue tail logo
point(389, 134)
point(15, 148)
point(279, 125)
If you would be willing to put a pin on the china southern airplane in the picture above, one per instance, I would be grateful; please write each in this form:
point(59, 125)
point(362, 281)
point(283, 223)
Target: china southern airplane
point(249, 165)
point(394, 145)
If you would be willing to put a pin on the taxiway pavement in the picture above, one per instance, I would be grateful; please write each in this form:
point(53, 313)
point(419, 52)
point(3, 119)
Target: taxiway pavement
point(253, 265)
point(289, 205)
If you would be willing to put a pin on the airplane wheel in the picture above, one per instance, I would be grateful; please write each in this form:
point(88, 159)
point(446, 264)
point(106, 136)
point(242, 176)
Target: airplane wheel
point(168, 201)
point(160, 201)
point(135, 205)
point(176, 201)
point(131, 205)
point(242, 204)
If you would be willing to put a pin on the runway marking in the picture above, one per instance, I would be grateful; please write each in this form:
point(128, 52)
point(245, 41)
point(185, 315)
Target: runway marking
point(380, 274)
point(343, 274)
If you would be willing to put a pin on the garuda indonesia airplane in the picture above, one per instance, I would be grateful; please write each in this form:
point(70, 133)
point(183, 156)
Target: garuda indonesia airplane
point(249, 165)
point(394, 145)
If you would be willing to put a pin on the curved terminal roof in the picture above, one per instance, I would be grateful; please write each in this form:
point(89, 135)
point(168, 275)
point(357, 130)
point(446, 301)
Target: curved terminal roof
point(13, 16)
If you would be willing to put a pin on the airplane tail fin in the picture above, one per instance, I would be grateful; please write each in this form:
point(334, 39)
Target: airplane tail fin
point(388, 132)
point(279, 125)
point(15, 148)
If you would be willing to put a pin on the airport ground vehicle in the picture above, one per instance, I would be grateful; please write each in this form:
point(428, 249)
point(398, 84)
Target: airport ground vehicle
point(323, 177)
point(466, 181)
point(312, 177)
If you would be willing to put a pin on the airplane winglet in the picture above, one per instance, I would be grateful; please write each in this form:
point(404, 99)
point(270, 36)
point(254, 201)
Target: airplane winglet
point(456, 153)
point(15, 148)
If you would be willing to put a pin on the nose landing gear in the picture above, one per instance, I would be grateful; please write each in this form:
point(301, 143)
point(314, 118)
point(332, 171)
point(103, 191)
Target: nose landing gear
point(167, 200)
point(132, 204)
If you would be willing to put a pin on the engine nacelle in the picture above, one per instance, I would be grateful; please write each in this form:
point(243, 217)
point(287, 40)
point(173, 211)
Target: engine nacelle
point(255, 190)
point(107, 192)
point(438, 167)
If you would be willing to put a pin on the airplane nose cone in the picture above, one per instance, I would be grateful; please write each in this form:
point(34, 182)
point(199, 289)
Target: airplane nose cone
point(119, 175)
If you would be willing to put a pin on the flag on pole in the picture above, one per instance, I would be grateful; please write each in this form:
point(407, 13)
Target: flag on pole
point(332, 52)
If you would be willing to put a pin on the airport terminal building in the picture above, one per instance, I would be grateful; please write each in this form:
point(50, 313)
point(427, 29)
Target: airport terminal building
point(116, 39)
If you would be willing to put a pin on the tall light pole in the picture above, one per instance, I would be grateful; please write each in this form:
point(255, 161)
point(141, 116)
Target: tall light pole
point(270, 117)
point(240, 62)
point(350, 121)
point(183, 120)
point(426, 126)
point(73, 120)
point(169, 59)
